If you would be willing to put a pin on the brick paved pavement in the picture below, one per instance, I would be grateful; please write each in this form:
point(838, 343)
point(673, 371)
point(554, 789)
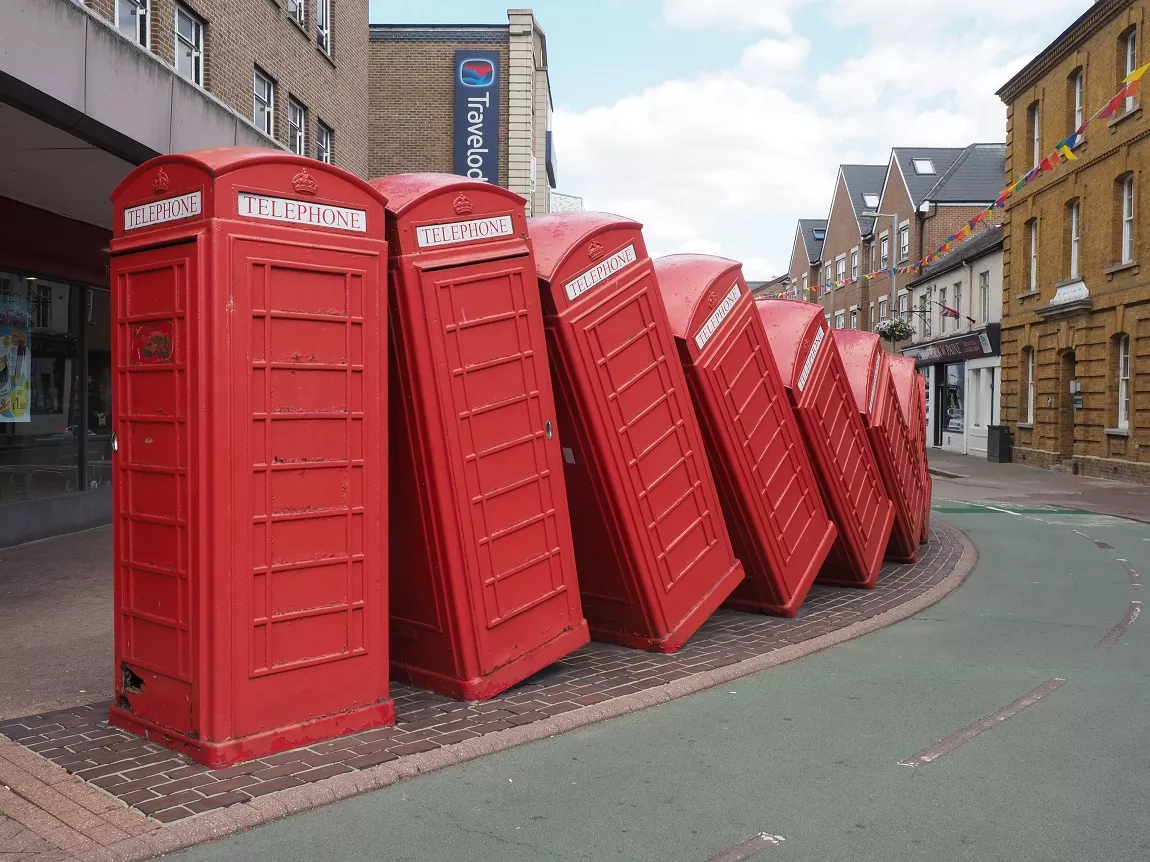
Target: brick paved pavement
point(167, 787)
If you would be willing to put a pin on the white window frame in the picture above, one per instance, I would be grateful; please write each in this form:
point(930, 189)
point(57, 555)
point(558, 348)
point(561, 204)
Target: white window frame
point(872, 317)
point(197, 47)
point(1036, 132)
point(882, 309)
point(840, 319)
point(297, 127)
point(1079, 114)
point(267, 100)
point(884, 251)
point(1030, 386)
point(904, 243)
point(854, 263)
point(841, 268)
point(806, 280)
point(854, 317)
point(1032, 232)
point(1075, 236)
point(323, 25)
point(1128, 219)
point(984, 289)
point(297, 11)
point(903, 305)
point(827, 270)
point(1124, 383)
point(941, 314)
point(958, 305)
point(324, 136)
point(1131, 61)
point(144, 12)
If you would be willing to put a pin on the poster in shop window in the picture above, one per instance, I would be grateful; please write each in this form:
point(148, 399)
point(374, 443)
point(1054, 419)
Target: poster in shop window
point(15, 358)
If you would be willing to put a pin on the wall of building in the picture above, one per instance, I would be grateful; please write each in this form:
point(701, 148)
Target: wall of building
point(842, 238)
point(243, 34)
point(1119, 295)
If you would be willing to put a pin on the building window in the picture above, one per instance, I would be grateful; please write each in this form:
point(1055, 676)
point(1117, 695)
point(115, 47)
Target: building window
point(41, 301)
point(884, 254)
point(840, 270)
point(827, 278)
point(854, 318)
point(870, 201)
point(957, 305)
point(296, 11)
point(805, 282)
point(263, 102)
point(297, 123)
point(924, 315)
point(942, 315)
point(1027, 387)
point(1032, 242)
point(923, 167)
point(323, 25)
point(903, 303)
point(872, 318)
point(189, 46)
point(1123, 345)
point(1073, 214)
point(984, 295)
point(1131, 51)
point(882, 309)
point(820, 234)
point(840, 319)
point(132, 20)
point(855, 264)
point(1127, 242)
point(903, 243)
point(1075, 100)
point(1033, 125)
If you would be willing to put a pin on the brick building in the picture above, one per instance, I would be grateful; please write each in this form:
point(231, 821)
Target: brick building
point(413, 110)
point(806, 256)
point(1076, 318)
point(846, 252)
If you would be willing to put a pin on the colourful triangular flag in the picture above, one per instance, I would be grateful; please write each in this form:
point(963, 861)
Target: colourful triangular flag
point(1136, 75)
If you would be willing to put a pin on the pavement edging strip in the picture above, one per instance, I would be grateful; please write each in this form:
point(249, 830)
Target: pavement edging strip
point(240, 817)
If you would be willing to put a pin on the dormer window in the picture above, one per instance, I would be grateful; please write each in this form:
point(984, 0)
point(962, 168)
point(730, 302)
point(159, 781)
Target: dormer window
point(870, 201)
point(820, 234)
point(923, 167)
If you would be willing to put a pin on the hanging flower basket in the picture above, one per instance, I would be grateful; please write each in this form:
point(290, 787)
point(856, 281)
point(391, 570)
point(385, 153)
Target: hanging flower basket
point(896, 329)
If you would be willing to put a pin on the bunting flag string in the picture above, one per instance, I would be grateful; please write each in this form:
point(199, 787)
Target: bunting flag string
point(1063, 151)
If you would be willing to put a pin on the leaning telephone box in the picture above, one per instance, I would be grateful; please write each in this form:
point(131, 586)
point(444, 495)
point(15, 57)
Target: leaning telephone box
point(485, 592)
point(779, 527)
point(869, 374)
point(248, 348)
point(910, 387)
point(837, 442)
point(655, 559)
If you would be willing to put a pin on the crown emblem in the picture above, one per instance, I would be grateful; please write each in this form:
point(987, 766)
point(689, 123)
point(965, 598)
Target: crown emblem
point(711, 299)
point(160, 183)
point(462, 205)
point(304, 184)
point(595, 250)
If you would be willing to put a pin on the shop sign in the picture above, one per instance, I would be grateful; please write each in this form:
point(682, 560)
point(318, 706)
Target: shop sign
point(15, 358)
point(973, 346)
point(477, 115)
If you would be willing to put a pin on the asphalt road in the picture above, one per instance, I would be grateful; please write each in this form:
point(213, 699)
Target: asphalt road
point(803, 762)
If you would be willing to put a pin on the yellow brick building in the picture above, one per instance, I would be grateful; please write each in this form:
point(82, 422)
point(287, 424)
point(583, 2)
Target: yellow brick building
point(1076, 302)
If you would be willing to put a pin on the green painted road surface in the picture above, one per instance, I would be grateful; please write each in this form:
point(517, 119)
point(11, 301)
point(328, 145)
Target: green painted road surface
point(810, 752)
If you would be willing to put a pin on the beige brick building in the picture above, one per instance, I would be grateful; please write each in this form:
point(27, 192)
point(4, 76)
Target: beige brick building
point(297, 69)
point(412, 101)
point(846, 253)
point(1076, 305)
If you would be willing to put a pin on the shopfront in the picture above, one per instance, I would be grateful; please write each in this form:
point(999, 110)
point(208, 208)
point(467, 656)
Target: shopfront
point(963, 375)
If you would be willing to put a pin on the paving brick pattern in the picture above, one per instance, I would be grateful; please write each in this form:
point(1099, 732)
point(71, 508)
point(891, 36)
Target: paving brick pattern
point(168, 787)
point(17, 842)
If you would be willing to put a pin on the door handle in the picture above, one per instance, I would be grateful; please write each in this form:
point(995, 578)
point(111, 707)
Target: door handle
point(548, 430)
point(115, 442)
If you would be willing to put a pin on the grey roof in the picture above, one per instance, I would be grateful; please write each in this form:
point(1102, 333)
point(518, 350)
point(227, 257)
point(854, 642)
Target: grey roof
point(975, 247)
point(920, 185)
point(814, 247)
point(977, 176)
point(463, 33)
point(864, 180)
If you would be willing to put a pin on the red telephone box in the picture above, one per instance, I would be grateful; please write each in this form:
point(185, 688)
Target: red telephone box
point(869, 374)
point(654, 556)
point(910, 387)
point(779, 527)
point(837, 442)
point(250, 435)
point(485, 593)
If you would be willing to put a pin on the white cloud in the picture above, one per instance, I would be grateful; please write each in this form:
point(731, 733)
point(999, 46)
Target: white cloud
point(725, 162)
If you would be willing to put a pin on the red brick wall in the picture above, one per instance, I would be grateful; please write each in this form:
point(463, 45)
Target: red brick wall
point(842, 236)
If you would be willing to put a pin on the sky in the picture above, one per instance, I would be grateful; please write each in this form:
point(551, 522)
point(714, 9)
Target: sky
point(719, 123)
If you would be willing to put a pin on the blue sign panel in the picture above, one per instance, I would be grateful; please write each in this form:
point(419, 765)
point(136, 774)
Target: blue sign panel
point(477, 115)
